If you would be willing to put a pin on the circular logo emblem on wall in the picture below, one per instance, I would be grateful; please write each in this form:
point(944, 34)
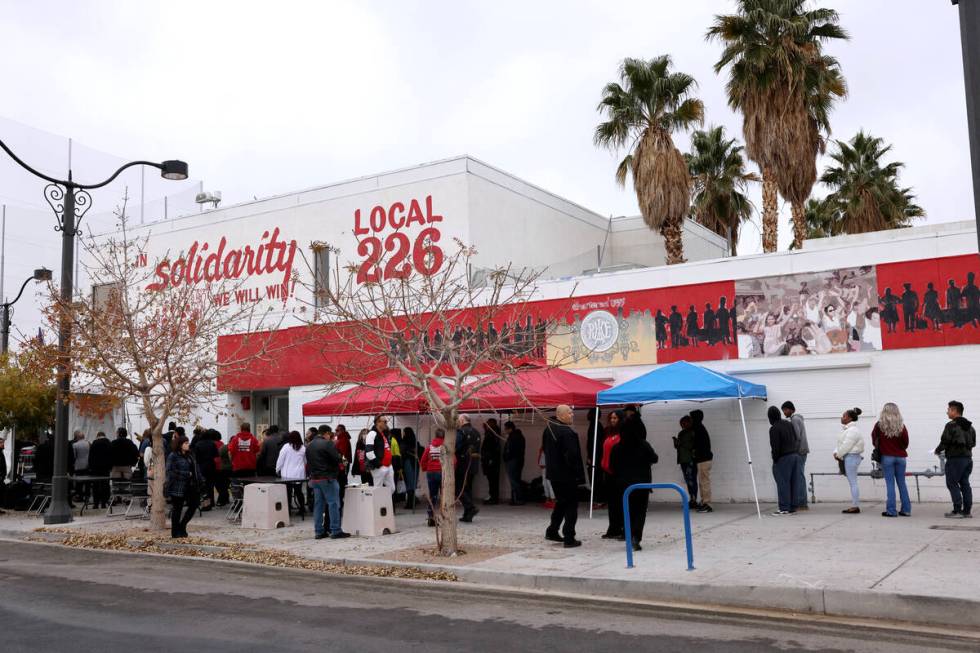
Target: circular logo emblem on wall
point(599, 331)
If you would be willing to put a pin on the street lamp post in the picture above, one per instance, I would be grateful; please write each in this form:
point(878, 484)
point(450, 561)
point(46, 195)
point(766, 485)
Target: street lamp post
point(70, 200)
point(970, 40)
point(41, 274)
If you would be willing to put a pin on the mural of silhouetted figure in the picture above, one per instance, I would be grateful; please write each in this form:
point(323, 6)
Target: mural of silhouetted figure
point(437, 351)
point(971, 295)
point(710, 329)
point(722, 315)
point(492, 336)
point(932, 310)
point(692, 326)
point(889, 310)
point(676, 327)
point(953, 296)
point(540, 337)
point(660, 322)
point(910, 307)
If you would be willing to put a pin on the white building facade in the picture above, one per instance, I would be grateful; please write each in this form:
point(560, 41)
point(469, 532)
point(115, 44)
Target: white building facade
point(829, 327)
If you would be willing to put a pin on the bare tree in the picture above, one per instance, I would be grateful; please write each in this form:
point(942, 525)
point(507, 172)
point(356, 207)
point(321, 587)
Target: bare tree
point(156, 344)
point(448, 333)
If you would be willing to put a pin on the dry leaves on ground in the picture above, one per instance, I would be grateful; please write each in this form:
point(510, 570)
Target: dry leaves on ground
point(200, 547)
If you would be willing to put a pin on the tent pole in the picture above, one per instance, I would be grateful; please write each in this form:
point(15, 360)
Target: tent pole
point(595, 445)
point(748, 452)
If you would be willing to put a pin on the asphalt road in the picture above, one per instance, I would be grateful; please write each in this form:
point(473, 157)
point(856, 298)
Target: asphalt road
point(58, 599)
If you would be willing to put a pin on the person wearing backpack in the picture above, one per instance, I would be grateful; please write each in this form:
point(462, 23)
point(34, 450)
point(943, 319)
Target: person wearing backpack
point(957, 442)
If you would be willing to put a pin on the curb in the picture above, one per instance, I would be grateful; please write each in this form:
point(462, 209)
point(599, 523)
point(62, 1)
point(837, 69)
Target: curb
point(889, 607)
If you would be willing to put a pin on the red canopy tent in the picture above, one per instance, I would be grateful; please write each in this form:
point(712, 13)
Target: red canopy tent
point(535, 387)
point(388, 393)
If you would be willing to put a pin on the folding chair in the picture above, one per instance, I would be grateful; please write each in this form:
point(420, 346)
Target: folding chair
point(139, 493)
point(41, 498)
point(236, 492)
point(119, 489)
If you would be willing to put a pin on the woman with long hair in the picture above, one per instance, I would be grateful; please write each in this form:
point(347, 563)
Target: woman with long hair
point(615, 530)
point(850, 447)
point(891, 439)
point(183, 485)
point(291, 466)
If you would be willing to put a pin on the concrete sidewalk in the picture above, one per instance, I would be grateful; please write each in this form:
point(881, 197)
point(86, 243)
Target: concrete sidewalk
point(922, 569)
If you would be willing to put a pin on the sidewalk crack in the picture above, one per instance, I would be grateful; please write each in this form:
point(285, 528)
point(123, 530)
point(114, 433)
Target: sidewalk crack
point(900, 565)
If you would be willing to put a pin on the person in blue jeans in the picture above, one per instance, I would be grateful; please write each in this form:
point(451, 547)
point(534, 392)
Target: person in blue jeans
point(785, 446)
point(850, 447)
point(891, 439)
point(432, 466)
point(957, 442)
point(324, 463)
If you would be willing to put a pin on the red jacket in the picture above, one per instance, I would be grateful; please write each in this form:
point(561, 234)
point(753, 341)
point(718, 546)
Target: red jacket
point(243, 449)
point(432, 458)
point(607, 446)
point(343, 445)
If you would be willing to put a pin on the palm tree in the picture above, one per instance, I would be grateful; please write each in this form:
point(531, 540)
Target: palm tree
point(642, 112)
point(865, 191)
point(784, 86)
point(822, 219)
point(720, 180)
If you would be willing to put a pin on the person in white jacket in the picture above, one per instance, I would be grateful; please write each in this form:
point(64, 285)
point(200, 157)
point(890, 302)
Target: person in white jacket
point(291, 466)
point(850, 447)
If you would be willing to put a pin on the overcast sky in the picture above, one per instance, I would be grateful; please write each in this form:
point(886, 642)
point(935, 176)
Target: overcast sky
point(263, 98)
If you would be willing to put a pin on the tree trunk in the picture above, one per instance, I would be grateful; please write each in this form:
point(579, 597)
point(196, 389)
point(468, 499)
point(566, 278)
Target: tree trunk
point(446, 514)
point(799, 225)
point(672, 232)
point(158, 502)
point(770, 212)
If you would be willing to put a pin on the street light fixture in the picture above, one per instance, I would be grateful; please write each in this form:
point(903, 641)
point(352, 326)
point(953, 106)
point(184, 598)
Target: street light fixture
point(969, 11)
point(70, 201)
point(41, 274)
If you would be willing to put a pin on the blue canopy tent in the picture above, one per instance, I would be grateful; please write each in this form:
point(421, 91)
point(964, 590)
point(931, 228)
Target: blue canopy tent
point(682, 381)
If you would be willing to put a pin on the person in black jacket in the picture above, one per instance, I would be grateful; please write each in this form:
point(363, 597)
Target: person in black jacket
point(786, 461)
point(957, 443)
point(631, 461)
point(205, 451)
point(100, 464)
point(183, 485)
point(269, 452)
point(514, 450)
point(566, 471)
point(44, 459)
point(410, 465)
point(467, 464)
point(702, 458)
point(125, 453)
point(324, 463)
point(490, 459)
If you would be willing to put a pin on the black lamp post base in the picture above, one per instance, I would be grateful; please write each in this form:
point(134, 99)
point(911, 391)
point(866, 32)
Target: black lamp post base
point(58, 514)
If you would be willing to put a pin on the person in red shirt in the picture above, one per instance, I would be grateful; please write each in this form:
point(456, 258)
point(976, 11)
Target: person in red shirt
point(616, 528)
point(243, 449)
point(431, 464)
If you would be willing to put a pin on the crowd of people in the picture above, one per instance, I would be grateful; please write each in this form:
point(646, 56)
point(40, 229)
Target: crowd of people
point(890, 444)
point(199, 470)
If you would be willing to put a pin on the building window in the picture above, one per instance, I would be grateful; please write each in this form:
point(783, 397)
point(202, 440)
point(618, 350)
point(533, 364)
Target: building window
point(321, 273)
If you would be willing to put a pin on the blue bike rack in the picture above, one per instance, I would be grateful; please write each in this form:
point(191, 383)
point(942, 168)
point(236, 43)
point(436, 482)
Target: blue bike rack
point(687, 518)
